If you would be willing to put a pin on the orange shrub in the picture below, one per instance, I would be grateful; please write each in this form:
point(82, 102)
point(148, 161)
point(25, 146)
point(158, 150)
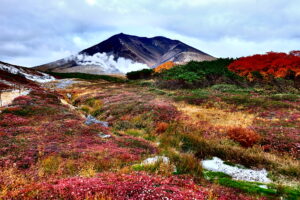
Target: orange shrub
point(2, 134)
point(161, 127)
point(164, 66)
point(246, 137)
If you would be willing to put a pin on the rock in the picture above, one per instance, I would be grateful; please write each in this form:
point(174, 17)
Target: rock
point(69, 95)
point(104, 136)
point(92, 120)
point(153, 160)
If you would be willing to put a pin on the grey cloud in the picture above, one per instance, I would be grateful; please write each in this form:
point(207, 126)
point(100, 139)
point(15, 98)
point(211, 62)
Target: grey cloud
point(36, 31)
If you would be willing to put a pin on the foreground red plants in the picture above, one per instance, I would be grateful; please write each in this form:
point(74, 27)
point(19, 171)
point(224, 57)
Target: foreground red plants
point(130, 186)
point(133, 186)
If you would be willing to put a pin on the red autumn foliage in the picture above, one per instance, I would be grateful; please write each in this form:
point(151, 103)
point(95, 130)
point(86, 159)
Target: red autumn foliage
point(163, 111)
point(246, 137)
point(116, 186)
point(4, 86)
point(279, 65)
point(161, 127)
point(12, 120)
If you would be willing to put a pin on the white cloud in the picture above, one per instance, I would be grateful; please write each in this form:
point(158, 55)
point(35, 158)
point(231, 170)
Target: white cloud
point(91, 2)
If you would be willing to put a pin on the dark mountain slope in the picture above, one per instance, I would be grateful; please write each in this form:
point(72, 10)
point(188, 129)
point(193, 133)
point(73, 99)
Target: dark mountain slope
point(122, 53)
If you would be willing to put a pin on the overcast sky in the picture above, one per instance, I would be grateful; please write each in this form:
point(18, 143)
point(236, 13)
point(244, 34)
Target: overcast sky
point(34, 32)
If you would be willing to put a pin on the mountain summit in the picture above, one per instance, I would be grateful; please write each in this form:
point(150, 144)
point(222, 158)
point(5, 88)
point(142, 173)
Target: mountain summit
point(122, 53)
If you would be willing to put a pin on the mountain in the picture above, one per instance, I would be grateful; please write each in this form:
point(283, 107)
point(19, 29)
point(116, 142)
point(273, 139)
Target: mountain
point(122, 53)
point(12, 76)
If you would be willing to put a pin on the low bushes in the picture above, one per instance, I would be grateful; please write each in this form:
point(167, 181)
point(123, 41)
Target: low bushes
point(141, 74)
point(195, 74)
point(249, 157)
point(161, 127)
point(246, 137)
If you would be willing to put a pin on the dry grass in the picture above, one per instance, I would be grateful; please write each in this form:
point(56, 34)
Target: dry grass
point(216, 116)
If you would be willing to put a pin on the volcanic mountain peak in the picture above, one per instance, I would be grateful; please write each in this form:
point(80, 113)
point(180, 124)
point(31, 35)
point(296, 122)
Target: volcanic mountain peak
point(122, 53)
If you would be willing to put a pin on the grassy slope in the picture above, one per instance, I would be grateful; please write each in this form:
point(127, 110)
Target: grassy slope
point(206, 115)
point(185, 125)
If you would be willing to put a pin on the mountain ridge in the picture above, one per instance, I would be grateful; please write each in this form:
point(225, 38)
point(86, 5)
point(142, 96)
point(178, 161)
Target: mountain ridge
point(122, 53)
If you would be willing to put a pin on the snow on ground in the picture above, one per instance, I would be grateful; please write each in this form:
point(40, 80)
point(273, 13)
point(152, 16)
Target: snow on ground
point(153, 160)
point(217, 165)
point(6, 82)
point(41, 78)
point(104, 136)
point(7, 97)
point(64, 83)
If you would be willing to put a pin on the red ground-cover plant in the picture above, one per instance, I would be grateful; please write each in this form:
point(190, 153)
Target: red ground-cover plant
point(4, 86)
point(18, 80)
point(56, 130)
point(246, 137)
point(163, 111)
point(281, 139)
point(271, 64)
point(23, 100)
point(9, 119)
point(118, 187)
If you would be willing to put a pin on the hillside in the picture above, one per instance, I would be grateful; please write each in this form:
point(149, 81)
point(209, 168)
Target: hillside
point(13, 76)
point(123, 53)
point(194, 131)
point(17, 81)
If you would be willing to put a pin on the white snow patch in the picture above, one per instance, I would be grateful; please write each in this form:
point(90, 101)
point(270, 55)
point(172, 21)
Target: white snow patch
point(263, 186)
point(6, 82)
point(153, 160)
point(41, 78)
point(217, 165)
point(64, 83)
point(108, 63)
point(104, 136)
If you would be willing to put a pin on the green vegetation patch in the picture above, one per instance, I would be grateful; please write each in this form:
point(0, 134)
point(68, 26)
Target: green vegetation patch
point(253, 187)
point(88, 77)
point(198, 71)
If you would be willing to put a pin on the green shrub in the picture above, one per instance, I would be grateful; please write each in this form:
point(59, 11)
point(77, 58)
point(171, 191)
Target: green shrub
point(288, 97)
point(229, 88)
point(203, 73)
point(141, 74)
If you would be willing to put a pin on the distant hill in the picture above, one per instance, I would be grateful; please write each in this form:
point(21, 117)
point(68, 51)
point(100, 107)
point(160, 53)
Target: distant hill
point(14, 76)
point(123, 53)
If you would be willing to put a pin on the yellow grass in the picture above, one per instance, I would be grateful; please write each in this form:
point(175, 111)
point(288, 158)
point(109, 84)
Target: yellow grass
point(216, 116)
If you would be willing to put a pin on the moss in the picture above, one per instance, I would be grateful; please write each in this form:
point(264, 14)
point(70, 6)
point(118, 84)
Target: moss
point(246, 100)
point(288, 97)
point(252, 188)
